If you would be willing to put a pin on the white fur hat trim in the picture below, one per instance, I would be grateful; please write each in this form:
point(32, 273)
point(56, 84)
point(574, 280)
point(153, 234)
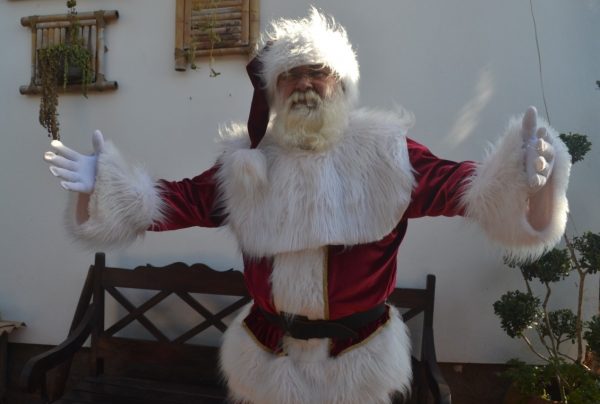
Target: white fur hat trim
point(312, 40)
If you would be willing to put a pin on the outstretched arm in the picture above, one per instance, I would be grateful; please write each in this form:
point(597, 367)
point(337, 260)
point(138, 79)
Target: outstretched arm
point(113, 202)
point(517, 194)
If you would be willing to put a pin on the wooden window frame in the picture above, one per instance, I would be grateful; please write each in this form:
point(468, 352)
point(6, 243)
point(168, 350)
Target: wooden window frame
point(46, 31)
point(186, 50)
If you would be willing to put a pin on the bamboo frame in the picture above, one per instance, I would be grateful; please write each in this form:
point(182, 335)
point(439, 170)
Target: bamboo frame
point(253, 25)
point(223, 3)
point(245, 37)
point(236, 20)
point(108, 16)
point(72, 88)
point(34, 48)
point(47, 30)
point(180, 59)
point(221, 30)
point(63, 24)
point(236, 16)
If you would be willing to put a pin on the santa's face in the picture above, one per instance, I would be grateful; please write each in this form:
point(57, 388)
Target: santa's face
point(317, 78)
point(310, 108)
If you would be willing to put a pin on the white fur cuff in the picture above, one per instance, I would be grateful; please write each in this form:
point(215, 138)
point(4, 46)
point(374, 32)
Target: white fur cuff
point(125, 202)
point(499, 199)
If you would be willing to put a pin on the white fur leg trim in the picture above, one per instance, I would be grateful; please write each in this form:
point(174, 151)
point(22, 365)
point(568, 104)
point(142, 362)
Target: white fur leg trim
point(499, 199)
point(125, 202)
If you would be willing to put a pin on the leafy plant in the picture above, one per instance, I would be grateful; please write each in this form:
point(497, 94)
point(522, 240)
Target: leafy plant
point(523, 313)
point(577, 384)
point(55, 63)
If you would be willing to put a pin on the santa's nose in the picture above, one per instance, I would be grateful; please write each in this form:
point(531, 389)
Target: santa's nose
point(304, 83)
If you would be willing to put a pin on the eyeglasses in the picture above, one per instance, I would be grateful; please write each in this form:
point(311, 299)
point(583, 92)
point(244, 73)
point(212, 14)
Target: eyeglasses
point(313, 73)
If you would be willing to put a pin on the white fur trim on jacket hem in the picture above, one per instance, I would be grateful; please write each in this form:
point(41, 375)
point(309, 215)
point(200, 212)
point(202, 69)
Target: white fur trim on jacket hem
point(367, 374)
point(125, 202)
point(499, 199)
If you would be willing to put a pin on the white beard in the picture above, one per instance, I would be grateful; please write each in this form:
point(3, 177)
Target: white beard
point(305, 121)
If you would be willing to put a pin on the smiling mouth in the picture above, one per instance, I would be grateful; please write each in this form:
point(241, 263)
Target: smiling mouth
point(304, 104)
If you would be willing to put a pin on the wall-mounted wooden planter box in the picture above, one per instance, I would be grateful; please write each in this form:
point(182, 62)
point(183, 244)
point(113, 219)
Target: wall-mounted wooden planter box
point(49, 30)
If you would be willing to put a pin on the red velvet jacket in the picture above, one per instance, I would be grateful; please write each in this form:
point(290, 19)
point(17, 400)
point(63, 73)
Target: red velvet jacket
point(438, 186)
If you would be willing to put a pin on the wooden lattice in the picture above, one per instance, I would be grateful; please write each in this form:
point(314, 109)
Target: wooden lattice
point(214, 27)
point(49, 30)
point(137, 313)
point(177, 279)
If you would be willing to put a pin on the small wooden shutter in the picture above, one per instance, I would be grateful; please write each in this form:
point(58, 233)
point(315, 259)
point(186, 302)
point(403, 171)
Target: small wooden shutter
point(214, 27)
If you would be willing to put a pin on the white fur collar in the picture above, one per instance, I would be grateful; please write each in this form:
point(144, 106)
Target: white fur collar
point(281, 201)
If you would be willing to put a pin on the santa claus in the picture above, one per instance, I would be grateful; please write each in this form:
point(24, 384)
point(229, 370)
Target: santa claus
point(318, 194)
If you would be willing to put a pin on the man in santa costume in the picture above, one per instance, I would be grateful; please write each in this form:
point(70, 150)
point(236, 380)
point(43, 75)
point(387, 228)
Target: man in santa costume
point(318, 194)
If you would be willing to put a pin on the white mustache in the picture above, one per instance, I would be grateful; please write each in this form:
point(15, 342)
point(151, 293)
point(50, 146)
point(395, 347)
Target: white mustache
point(308, 98)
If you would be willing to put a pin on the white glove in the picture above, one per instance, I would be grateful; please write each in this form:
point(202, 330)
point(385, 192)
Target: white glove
point(76, 171)
point(539, 151)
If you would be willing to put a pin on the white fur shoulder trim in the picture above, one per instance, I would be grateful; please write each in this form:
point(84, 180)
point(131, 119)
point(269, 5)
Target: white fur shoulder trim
point(125, 202)
point(499, 199)
point(279, 200)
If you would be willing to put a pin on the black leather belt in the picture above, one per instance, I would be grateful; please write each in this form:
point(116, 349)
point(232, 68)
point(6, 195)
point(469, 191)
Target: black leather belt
point(300, 327)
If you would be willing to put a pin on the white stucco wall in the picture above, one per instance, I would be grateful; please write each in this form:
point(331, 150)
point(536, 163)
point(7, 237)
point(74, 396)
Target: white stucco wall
point(462, 67)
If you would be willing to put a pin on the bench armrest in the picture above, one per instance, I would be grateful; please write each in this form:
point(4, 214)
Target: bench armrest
point(34, 372)
point(437, 384)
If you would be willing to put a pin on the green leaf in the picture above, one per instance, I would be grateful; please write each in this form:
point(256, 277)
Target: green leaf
point(518, 311)
point(577, 144)
point(588, 246)
point(550, 267)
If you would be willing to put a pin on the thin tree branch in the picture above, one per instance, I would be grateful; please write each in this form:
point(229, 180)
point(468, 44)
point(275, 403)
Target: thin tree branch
point(530, 345)
point(537, 329)
point(547, 320)
point(579, 321)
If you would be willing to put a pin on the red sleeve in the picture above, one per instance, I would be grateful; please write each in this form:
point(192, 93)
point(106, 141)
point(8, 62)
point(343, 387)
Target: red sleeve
point(438, 183)
point(190, 202)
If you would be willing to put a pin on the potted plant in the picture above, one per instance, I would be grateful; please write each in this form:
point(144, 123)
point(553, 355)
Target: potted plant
point(560, 378)
point(64, 63)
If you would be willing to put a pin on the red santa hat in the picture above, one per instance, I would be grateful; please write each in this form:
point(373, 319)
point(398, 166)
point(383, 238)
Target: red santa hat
point(291, 43)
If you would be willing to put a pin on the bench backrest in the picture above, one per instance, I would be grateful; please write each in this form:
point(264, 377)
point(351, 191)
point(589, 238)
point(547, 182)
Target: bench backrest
point(162, 357)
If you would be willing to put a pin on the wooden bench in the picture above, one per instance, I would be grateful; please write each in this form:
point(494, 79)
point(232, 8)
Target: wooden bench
point(126, 370)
